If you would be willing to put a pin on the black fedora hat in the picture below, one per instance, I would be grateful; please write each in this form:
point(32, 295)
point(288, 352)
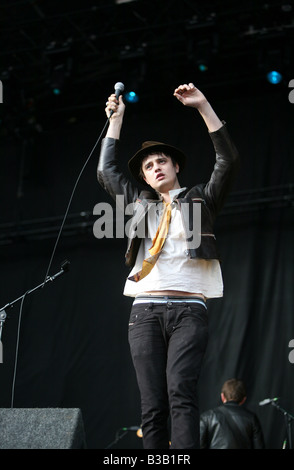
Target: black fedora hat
point(151, 146)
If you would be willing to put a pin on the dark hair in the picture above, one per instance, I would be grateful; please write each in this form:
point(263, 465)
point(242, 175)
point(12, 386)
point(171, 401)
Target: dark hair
point(155, 152)
point(234, 390)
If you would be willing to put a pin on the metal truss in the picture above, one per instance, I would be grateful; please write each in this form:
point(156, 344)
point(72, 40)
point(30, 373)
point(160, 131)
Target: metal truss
point(86, 46)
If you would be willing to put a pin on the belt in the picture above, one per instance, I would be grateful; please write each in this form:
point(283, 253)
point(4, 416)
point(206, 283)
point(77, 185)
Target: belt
point(162, 299)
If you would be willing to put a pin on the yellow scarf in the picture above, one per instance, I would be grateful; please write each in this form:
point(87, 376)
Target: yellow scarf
point(157, 244)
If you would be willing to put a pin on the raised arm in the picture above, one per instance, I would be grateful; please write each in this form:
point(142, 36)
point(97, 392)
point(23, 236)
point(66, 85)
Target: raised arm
point(189, 95)
point(109, 174)
point(116, 120)
point(227, 157)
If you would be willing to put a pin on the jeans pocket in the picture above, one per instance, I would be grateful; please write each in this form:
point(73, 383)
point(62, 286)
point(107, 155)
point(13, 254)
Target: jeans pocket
point(137, 314)
point(200, 312)
point(132, 319)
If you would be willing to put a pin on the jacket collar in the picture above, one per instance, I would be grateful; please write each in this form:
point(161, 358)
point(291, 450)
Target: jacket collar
point(145, 194)
point(231, 403)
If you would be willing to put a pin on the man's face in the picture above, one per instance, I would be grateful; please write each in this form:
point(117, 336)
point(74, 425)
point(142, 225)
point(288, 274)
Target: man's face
point(160, 172)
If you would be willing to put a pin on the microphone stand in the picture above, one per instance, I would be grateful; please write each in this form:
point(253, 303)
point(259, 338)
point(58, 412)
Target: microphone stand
point(3, 314)
point(118, 436)
point(120, 433)
point(288, 422)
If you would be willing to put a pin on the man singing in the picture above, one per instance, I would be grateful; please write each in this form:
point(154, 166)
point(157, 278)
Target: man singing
point(172, 274)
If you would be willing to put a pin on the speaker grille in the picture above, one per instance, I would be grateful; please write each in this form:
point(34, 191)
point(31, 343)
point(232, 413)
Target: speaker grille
point(41, 428)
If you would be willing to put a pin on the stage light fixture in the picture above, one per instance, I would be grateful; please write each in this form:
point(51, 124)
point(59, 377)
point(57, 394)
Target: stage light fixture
point(202, 67)
point(274, 77)
point(131, 97)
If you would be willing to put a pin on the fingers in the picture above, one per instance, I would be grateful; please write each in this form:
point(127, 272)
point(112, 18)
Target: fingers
point(112, 98)
point(112, 104)
point(111, 101)
point(183, 88)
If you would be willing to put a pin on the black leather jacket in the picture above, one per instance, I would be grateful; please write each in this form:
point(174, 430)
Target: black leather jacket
point(211, 195)
point(230, 426)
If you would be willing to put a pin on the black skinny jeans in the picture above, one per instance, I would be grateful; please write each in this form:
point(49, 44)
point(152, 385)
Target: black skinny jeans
point(167, 342)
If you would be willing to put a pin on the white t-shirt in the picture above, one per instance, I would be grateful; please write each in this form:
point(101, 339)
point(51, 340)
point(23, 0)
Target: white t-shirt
point(174, 270)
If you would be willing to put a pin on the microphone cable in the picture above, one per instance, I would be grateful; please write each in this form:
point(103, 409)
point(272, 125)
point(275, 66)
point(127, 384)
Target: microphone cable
point(16, 349)
point(71, 197)
point(52, 255)
point(119, 88)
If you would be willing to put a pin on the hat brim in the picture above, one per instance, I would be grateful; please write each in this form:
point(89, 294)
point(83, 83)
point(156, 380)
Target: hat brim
point(135, 162)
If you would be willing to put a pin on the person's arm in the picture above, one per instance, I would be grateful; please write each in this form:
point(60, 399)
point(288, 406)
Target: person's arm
point(109, 174)
point(204, 430)
point(258, 438)
point(116, 120)
point(227, 157)
point(190, 96)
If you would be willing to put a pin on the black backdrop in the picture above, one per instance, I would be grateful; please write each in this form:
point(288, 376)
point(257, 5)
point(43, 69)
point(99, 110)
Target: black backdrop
point(73, 349)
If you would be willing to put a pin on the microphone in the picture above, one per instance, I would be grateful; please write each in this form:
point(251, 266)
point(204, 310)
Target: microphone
point(119, 88)
point(131, 428)
point(266, 401)
point(64, 269)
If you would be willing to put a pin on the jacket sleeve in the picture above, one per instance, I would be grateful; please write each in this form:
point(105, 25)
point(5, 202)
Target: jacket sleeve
point(258, 438)
point(109, 175)
point(224, 171)
point(204, 430)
